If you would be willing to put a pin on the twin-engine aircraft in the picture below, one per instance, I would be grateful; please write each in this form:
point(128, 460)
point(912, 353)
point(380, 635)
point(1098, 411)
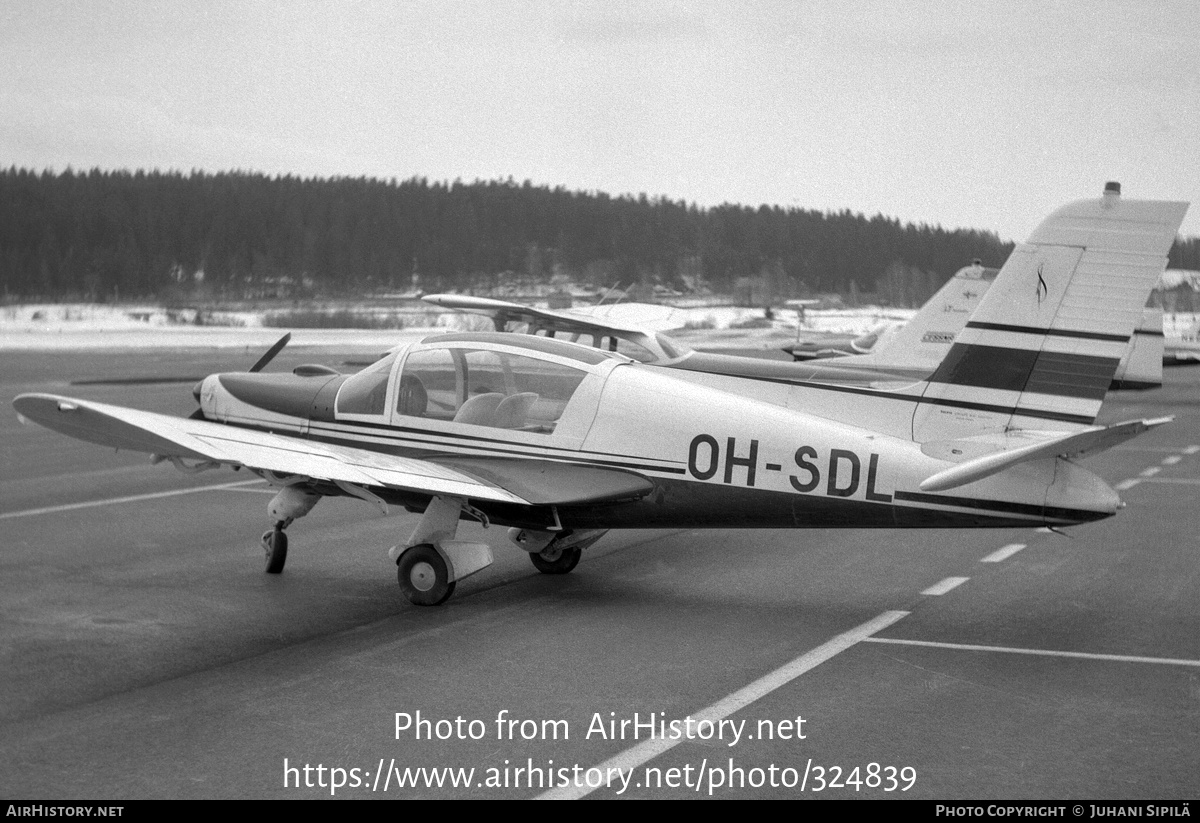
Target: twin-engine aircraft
point(561, 442)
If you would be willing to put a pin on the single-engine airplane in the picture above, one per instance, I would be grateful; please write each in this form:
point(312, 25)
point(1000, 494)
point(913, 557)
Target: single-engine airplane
point(562, 442)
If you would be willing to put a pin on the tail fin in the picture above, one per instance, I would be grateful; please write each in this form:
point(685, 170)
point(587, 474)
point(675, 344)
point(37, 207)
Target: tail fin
point(1042, 347)
point(924, 341)
point(1142, 366)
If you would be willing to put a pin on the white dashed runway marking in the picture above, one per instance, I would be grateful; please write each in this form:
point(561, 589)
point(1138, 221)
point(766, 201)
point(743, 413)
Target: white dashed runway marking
point(1003, 554)
point(950, 583)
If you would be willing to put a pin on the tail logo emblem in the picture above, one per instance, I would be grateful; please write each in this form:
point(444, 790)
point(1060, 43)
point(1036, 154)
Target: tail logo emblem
point(1042, 289)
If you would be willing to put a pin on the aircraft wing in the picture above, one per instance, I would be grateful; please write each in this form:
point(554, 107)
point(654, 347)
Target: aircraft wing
point(168, 436)
point(637, 316)
point(499, 480)
point(621, 317)
point(987, 455)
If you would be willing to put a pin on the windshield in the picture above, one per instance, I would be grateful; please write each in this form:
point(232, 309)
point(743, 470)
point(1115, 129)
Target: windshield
point(671, 348)
point(366, 392)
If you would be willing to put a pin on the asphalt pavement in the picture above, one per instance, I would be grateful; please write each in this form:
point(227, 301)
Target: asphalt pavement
point(145, 654)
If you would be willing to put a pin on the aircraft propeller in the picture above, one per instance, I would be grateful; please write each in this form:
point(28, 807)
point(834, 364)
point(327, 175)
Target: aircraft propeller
point(271, 352)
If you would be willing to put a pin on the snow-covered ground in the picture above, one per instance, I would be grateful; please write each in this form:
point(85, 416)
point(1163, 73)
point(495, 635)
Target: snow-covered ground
point(91, 326)
point(88, 326)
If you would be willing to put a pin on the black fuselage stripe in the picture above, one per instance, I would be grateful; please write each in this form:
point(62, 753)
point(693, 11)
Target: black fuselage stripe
point(991, 507)
point(1002, 368)
point(1040, 414)
point(384, 428)
point(494, 448)
point(1029, 509)
point(1083, 335)
point(352, 438)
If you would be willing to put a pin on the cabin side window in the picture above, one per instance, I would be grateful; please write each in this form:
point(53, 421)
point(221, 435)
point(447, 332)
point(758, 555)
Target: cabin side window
point(429, 385)
point(486, 388)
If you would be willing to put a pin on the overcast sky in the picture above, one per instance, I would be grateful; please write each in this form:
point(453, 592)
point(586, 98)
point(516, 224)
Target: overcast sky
point(981, 115)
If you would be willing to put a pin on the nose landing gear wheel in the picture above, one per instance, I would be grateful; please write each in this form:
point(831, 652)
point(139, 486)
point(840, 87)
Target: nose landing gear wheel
point(556, 561)
point(423, 576)
point(274, 543)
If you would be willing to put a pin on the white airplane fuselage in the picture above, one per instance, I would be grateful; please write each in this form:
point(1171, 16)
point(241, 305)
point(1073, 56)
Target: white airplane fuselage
point(717, 458)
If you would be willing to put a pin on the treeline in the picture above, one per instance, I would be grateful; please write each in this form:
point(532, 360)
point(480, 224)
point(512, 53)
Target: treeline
point(98, 235)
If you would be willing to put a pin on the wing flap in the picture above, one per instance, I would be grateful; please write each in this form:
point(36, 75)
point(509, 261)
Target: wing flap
point(547, 483)
point(136, 430)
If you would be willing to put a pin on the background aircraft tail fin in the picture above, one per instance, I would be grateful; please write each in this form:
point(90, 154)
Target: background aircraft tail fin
point(924, 341)
point(1142, 366)
point(1043, 345)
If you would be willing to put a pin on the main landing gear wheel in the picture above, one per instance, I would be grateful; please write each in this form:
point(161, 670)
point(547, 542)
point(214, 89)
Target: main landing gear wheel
point(556, 561)
point(274, 543)
point(423, 576)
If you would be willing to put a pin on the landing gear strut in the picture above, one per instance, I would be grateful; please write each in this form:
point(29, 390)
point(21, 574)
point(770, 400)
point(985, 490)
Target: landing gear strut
point(430, 564)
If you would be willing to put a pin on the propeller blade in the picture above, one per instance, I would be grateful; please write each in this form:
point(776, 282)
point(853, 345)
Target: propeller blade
point(134, 381)
point(271, 352)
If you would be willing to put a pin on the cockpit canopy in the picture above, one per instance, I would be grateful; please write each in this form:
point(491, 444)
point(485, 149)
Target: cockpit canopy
point(519, 383)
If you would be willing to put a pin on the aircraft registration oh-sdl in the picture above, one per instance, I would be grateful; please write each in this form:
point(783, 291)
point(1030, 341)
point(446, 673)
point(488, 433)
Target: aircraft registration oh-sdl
point(562, 442)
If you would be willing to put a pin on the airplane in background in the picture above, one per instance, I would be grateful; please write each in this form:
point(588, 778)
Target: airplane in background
point(636, 331)
point(562, 442)
point(632, 329)
point(922, 341)
point(915, 348)
point(904, 351)
point(1183, 348)
point(824, 344)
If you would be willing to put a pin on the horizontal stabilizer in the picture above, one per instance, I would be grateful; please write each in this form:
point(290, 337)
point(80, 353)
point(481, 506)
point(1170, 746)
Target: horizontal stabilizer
point(1077, 444)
